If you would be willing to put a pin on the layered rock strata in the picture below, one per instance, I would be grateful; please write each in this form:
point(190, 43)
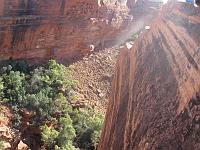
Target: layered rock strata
point(38, 30)
point(155, 100)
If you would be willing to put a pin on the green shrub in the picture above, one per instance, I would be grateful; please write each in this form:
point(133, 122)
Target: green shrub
point(49, 135)
point(1, 88)
point(88, 124)
point(45, 92)
point(3, 144)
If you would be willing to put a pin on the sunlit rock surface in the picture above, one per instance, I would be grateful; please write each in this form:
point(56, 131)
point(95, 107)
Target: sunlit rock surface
point(62, 29)
point(155, 100)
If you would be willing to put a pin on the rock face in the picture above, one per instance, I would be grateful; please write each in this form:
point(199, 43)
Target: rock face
point(155, 100)
point(6, 132)
point(22, 146)
point(63, 29)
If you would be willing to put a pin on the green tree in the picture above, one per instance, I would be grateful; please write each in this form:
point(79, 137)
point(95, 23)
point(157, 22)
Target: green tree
point(45, 91)
point(49, 135)
point(67, 133)
point(88, 124)
point(14, 90)
point(1, 88)
point(3, 145)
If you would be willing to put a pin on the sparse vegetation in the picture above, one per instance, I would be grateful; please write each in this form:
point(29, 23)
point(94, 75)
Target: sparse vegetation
point(3, 144)
point(43, 92)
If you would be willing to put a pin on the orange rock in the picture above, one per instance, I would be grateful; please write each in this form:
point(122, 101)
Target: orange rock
point(155, 98)
point(22, 146)
point(59, 29)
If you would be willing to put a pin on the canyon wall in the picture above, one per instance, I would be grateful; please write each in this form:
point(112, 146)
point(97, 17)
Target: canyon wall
point(62, 29)
point(155, 100)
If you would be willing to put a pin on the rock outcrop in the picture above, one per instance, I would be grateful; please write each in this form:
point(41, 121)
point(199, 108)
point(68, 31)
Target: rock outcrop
point(22, 146)
point(37, 30)
point(6, 132)
point(155, 100)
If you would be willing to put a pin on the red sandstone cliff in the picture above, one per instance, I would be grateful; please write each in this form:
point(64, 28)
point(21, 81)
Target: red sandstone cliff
point(64, 29)
point(155, 100)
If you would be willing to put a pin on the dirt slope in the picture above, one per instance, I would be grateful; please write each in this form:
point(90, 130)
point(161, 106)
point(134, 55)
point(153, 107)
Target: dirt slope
point(94, 75)
point(155, 99)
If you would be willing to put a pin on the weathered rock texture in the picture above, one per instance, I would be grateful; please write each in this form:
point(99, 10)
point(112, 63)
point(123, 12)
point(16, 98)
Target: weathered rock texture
point(64, 29)
point(155, 100)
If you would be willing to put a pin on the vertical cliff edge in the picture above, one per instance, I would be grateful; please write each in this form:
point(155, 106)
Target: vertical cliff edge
point(155, 100)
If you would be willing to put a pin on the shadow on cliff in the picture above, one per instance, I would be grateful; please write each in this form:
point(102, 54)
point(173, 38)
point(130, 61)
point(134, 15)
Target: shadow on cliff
point(154, 103)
